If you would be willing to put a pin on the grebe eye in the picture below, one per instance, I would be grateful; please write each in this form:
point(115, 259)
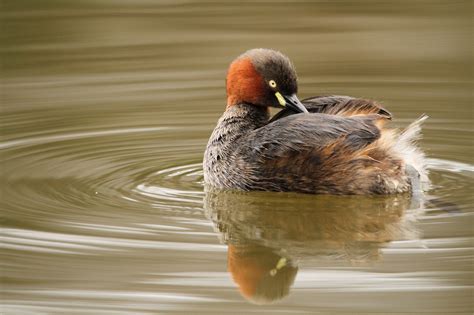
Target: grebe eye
point(272, 83)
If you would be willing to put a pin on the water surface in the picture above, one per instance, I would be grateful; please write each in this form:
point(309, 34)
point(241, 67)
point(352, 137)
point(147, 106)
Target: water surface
point(106, 110)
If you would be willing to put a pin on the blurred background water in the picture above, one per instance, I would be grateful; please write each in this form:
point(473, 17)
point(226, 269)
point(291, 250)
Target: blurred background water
point(106, 110)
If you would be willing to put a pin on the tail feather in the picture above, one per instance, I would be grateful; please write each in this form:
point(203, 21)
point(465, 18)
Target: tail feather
point(407, 146)
point(412, 133)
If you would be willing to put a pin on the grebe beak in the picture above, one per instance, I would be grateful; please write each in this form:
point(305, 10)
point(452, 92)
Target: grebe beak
point(294, 103)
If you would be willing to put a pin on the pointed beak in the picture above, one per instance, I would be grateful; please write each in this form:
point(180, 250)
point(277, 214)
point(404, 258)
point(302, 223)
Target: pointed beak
point(294, 103)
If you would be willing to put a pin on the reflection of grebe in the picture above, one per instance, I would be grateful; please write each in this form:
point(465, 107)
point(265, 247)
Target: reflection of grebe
point(340, 147)
point(267, 234)
point(262, 275)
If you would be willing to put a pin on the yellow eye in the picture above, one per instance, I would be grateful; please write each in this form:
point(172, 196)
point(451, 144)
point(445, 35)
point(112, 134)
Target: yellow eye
point(272, 83)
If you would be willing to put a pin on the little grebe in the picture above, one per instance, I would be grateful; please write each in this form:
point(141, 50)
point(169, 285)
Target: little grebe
point(323, 145)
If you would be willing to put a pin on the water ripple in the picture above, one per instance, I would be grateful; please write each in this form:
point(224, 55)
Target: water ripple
point(133, 196)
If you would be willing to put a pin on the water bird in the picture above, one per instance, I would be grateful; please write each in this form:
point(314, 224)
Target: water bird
point(321, 145)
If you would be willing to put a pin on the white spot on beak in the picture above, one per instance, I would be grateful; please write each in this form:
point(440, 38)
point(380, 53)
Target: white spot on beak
point(280, 264)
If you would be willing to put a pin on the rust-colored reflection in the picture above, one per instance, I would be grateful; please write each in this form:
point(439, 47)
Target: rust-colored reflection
point(262, 275)
point(268, 236)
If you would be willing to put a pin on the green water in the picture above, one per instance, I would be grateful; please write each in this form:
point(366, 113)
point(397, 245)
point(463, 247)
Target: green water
point(106, 108)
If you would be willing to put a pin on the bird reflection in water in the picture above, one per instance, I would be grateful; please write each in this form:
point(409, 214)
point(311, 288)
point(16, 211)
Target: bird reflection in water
point(269, 235)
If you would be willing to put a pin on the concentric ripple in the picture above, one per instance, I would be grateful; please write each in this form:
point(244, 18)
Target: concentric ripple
point(105, 167)
point(109, 183)
point(450, 180)
point(132, 167)
point(133, 197)
point(63, 176)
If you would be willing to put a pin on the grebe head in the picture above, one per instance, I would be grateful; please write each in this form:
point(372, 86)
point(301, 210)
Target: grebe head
point(263, 77)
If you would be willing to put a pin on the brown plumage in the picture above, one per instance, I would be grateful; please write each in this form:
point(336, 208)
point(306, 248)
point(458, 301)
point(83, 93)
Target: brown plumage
point(339, 146)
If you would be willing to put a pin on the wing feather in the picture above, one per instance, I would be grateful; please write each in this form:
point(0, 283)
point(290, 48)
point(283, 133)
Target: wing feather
point(338, 105)
point(308, 151)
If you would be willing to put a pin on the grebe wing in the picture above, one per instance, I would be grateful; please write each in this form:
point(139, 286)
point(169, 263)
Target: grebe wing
point(338, 105)
point(312, 132)
point(310, 153)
